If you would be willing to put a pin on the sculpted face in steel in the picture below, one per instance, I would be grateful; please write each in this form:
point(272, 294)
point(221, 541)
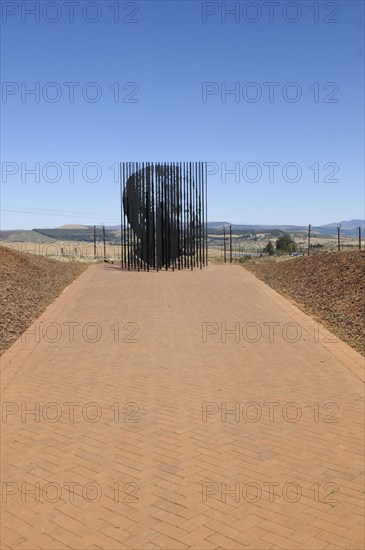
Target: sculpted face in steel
point(164, 215)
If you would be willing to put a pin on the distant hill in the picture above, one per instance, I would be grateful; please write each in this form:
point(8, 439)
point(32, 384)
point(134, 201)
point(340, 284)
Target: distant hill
point(72, 226)
point(350, 224)
point(78, 232)
point(216, 225)
point(348, 228)
point(24, 236)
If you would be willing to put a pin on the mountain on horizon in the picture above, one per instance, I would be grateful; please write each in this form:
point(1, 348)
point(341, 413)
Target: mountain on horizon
point(346, 224)
point(72, 226)
point(348, 227)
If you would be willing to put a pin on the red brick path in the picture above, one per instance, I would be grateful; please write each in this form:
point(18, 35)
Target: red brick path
point(175, 442)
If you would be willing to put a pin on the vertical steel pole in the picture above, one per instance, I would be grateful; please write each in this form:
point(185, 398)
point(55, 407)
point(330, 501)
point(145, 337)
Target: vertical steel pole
point(128, 223)
point(168, 225)
point(188, 236)
point(164, 206)
point(144, 255)
point(230, 244)
point(197, 214)
point(168, 220)
point(182, 228)
point(121, 212)
point(135, 260)
point(153, 192)
point(158, 239)
point(162, 242)
point(185, 210)
point(94, 242)
point(224, 243)
point(191, 252)
point(196, 226)
point(163, 234)
point(175, 196)
point(203, 216)
point(141, 215)
point(126, 218)
point(206, 212)
point(173, 215)
point(104, 243)
point(191, 176)
point(179, 216)
point(201, 220)
point(137, 179)
point(359, 228)
point(124, 222)
point(338, 238)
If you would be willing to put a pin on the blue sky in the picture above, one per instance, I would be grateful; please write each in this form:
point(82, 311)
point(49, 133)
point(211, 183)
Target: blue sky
point(296, 162)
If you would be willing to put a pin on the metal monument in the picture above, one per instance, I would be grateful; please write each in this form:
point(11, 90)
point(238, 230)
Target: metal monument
point(164, 215)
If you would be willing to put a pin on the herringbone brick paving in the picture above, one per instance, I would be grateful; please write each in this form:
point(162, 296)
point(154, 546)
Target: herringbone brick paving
point(146, 457)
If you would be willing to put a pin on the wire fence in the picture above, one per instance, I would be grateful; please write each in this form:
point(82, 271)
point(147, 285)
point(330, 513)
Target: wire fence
point(65, 251)
point(224, 246)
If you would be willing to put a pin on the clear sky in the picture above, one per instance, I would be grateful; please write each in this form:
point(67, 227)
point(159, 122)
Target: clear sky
point(293, 128)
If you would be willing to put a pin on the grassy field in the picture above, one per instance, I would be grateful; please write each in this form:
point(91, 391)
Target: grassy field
point(242, 245)
point(67, 250)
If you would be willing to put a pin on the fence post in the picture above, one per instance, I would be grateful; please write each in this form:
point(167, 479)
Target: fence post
point(230, 244)
point(359, 228)
point(338, 238)
point(104, 243)
point(94, 242)
point(224, 243)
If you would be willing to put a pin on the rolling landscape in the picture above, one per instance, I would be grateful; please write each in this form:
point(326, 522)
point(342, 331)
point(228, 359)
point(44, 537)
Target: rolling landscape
point(169, 379)
point(328, 284)
point(78, 232)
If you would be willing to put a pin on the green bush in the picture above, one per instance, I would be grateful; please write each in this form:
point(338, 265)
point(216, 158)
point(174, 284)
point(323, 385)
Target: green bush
point(286, 244)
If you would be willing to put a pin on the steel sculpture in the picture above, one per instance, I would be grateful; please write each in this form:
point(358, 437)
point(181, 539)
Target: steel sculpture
point(163, 215)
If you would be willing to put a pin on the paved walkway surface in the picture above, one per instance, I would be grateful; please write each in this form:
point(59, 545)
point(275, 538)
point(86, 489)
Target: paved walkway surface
point(132, 418)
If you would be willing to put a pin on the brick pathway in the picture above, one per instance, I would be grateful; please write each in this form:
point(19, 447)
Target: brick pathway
point(152, 427)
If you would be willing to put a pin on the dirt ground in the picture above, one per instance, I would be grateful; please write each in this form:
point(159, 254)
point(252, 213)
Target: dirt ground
point(330, 286)
point(28, 285)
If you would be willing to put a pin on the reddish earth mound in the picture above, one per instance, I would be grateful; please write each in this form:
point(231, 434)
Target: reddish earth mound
point(28, 284)
point(330, 286)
